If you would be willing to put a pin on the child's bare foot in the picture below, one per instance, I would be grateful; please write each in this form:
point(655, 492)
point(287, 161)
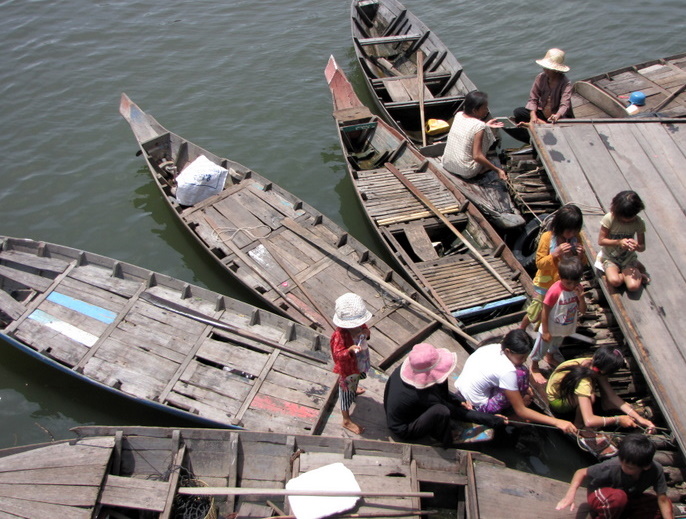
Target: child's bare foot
point(353, 427)
point(360, 390)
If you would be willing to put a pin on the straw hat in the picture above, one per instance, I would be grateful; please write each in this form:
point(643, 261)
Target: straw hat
point(427, 365)
point(351, 311)
point(554, 59)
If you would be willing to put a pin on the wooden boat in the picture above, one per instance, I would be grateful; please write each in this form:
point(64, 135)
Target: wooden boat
point(663, 81)
point(134, 472)
point(165, 343)
point(389, 40)
point(288, 253)
point(440, 239)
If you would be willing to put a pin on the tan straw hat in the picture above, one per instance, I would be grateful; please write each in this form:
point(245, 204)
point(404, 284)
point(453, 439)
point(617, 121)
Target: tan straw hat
point(554, 60)
point(427, 365)
point(351, 311)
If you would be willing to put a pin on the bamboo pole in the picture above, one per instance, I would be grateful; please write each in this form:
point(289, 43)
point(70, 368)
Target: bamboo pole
point(445, 220)
point(246, 491)
point(420, 80)
point(318, 242)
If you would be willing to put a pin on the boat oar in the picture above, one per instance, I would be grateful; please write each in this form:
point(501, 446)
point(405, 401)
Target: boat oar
point(422, 198)
point(329, 249)
point(246, 491)
point(197, 316)
point(671, 98)
point(420, 80)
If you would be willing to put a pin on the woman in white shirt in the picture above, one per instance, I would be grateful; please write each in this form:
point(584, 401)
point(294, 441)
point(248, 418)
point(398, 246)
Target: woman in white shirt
point(494, 379)
point(470, 138)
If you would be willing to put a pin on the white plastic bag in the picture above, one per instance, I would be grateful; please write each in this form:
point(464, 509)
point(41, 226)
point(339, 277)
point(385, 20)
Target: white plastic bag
point(201, 179)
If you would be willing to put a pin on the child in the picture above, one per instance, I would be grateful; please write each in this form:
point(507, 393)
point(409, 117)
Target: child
point(563, 302)
point(616, 486)
point(573, 385)
point(347, 340)
point(559, 241)
point(617, 231)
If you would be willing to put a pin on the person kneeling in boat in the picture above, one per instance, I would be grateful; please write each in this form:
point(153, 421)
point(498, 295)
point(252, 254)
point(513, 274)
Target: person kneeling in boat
point(470, 138)
point(495, 380)
point(572, 387)
point(418, 402)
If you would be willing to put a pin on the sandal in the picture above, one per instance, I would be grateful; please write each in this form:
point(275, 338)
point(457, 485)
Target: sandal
point(599, 445)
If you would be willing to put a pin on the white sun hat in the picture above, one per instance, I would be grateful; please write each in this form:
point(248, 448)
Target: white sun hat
point(554, 59)
point(351, 311)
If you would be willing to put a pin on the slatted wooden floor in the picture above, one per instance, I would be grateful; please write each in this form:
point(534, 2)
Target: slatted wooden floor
point(589, 164)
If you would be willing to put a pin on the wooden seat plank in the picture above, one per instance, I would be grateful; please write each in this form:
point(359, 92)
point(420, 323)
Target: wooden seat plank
point(136, 493)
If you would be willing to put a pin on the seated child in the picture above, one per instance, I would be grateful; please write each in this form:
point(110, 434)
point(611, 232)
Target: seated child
point(616, 487)
point(562, 304)
point(619, 247)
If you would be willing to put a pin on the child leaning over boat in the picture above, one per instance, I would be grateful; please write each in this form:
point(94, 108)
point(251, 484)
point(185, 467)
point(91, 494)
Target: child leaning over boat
point(562, 305)
point(562, 239)
point(347, 342)
point(616, 487)
point(622, 236)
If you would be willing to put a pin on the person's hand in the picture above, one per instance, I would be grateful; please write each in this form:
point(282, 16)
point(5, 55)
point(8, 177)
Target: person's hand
point(495, 123)
point(467, 405)
point(626, 421)
point(562, 249)
point(628, 244)
point(354, 349)
point(553, 118)
point(579, 290)
point(501, 174)
point(567, 501)
point(649, 426)
point(505, 419)
point(566, 426)
point(546, 336)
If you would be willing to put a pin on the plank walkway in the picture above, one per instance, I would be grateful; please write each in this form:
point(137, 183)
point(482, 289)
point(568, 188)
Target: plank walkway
point(588, 164)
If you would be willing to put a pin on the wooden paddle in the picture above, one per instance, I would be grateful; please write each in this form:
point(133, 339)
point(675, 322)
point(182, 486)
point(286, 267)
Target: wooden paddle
point(422, 198)
point(318, 242)
point(420, 80)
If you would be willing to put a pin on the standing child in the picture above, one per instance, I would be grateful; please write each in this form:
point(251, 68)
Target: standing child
point(616, 486)
point(562, 304)
point(560, 241)
point(620, 248)
point(346, 342)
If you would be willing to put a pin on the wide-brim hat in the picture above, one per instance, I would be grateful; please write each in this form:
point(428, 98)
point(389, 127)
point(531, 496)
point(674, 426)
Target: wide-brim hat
point(554, 59)
point(351, 311)
point(427, 365)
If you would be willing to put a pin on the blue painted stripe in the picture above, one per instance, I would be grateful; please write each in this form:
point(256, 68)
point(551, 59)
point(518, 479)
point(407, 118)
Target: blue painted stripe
point(489, 306)
point(101, 314)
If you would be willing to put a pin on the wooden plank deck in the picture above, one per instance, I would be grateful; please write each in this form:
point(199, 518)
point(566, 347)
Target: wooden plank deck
point(588, 164)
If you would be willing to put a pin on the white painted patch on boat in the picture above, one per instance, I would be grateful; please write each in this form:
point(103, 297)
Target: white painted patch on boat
point(71, 331)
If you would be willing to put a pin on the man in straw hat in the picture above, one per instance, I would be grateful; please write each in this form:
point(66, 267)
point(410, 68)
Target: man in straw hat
point(418, 402)
point(550, 98)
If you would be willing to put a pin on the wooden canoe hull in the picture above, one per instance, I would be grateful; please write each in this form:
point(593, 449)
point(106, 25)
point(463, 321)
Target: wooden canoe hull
point(149, 470)
point(387, 38)
point(457, 282)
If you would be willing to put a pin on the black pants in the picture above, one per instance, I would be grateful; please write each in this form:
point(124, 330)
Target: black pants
point(434, 422)
point(523, 115)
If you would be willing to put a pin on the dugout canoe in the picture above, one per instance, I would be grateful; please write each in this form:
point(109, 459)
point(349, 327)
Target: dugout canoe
point(132, 472)
point(388, 38)
point(441, 240)
point(289, 254)
point(663, 81)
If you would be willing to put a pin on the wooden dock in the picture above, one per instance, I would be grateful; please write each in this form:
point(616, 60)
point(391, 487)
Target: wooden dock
point(588, 164)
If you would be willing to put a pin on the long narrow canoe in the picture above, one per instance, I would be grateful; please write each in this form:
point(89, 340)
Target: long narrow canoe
point(441, 240)
point(288, 253)
point(663, 81)
point(160, 341)
point(388, 39)
point(162, 473)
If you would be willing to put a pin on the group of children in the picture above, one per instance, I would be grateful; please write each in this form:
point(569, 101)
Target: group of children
point(495, 379)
